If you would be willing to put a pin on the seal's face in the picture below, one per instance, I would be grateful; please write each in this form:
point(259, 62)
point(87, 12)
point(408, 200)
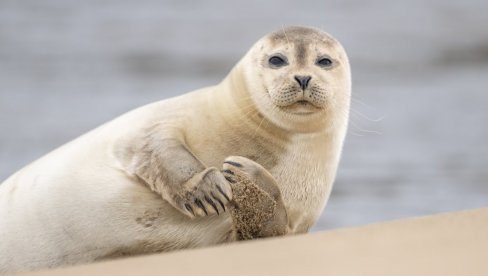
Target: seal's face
point(300, 75)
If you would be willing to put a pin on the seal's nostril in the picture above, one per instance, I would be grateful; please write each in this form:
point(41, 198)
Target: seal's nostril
point(303, 81)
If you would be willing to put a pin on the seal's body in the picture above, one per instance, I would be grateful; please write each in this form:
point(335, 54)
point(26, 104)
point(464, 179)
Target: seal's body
point(148, 180)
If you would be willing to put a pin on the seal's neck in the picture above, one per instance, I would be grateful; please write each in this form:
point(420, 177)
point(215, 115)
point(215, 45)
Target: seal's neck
point(235, 101)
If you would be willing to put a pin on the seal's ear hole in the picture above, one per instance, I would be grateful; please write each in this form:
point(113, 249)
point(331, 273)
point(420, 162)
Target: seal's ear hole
point(277, 61)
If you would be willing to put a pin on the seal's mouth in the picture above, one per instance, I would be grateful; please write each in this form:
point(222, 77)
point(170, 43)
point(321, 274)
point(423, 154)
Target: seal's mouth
point(295, 104)
point(301, 107)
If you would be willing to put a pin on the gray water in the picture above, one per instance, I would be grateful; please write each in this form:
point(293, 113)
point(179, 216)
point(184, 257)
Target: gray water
point(417, 139)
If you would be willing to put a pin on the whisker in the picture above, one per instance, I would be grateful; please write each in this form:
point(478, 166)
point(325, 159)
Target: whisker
point(365, 130)
point(366, 117)
point(255, 132)
point(355, 99)
point(356, 134)
point(284, 32)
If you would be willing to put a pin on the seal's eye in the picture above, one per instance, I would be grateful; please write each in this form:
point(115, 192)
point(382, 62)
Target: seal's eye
point(324, 62)
point(277, 61)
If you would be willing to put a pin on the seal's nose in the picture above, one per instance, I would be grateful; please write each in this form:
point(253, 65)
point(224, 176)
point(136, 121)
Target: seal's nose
point(303, 81)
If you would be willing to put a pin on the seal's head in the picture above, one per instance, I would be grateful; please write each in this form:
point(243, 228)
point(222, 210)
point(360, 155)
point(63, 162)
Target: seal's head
point(299, 78)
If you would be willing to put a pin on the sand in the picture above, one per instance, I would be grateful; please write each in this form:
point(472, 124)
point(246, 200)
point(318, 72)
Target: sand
point(253, 209)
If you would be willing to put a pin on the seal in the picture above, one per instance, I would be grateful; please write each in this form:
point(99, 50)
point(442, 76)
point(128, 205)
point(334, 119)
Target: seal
point(151, 180)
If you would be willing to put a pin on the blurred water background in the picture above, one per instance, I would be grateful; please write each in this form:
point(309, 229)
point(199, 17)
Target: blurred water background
point(417, 142)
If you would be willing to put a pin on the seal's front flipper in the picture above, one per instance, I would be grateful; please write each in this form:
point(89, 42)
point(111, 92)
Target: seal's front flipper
point(258, 210)
point(167, 166)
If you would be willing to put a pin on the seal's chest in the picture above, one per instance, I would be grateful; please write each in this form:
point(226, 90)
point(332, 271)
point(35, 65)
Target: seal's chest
point(304, 187)
point(256, 148)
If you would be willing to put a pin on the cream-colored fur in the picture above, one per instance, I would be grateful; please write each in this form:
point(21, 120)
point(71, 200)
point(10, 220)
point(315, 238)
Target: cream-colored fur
point(100, 195)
